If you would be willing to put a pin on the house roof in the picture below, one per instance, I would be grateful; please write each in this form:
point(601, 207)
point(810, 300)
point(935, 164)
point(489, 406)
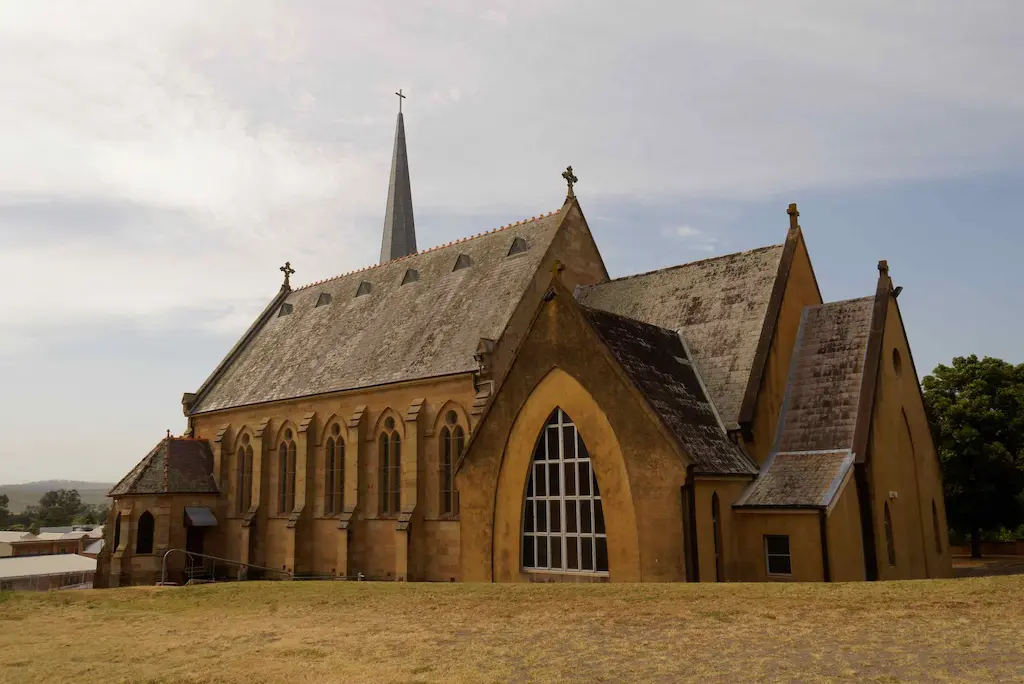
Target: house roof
point(175, 465)
point(719, 304)
point(7, 536)
point(820, 406)
point(17, 567)
point(814, 442)
point(657, 362)
point(798, 480)
point(418, 318)
point(94, 547)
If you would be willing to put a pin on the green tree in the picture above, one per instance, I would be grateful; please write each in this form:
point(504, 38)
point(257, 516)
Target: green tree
point(976, 409)
point(59, 507)
point(5, 513)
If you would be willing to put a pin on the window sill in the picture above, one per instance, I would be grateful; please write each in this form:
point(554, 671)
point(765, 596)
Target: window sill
point(564, 573)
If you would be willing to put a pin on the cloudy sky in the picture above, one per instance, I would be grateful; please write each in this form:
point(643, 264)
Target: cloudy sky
point(160, 160)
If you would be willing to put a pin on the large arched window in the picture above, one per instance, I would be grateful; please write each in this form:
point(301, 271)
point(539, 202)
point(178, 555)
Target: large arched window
point(390, 469)
point(716, 524)
point(334, 467)
point(890, 545)
point(243, 460)
point(144, 538)
point(937, 528)
point(563, 516)
point(117, 532)
point(452, 440)
point(286, 473)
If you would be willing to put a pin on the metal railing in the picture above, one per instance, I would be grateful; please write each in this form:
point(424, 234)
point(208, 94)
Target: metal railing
point(192, 555)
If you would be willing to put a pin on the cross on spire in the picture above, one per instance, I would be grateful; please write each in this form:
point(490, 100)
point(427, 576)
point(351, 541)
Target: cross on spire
point(400, 98)
point(569, 179)
point(793, 215)
point(287, 270)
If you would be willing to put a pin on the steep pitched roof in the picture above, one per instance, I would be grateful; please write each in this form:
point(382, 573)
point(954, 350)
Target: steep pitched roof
point(719, 305)
point(426, 327)
point(814, 442)
point(820, 408)
point(175, 465)
point(656, 361)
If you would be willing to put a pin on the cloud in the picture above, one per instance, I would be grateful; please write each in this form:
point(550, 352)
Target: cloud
point(694, 239)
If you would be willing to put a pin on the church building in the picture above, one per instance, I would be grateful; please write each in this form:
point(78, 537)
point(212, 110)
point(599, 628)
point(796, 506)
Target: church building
point(499, 409)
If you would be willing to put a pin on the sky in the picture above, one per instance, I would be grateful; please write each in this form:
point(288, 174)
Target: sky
point(159, 161)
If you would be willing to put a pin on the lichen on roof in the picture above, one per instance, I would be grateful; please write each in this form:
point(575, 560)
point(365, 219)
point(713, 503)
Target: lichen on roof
point(176, 465)
point(656, 362)
point(719, 304)
point(425, 328)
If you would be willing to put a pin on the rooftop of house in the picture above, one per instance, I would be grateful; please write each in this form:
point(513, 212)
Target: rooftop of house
point(18, 567)
point(175, 465)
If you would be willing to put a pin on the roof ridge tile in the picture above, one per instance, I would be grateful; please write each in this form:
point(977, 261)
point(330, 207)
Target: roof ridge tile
point(427, 250)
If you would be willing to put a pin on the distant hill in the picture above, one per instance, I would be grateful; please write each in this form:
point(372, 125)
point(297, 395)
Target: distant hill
point(22, 495)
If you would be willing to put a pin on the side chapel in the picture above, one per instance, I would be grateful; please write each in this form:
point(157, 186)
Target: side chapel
point(498, 409)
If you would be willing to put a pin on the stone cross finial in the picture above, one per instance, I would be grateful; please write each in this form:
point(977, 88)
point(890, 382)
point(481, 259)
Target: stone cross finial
point(400, 98)
point(570, 179)
point(287, 270)
point(793, 215)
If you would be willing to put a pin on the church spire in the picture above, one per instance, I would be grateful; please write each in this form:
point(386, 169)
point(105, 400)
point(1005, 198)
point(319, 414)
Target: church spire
point(399, 228)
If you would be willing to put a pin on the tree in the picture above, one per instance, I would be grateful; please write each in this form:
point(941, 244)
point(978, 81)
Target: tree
point(59, 507)
point(976, 409)
point(5, 513)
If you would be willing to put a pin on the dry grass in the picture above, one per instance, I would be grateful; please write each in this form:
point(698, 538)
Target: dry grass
point(967, 630)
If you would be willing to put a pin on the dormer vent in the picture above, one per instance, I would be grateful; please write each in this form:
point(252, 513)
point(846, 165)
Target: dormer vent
point(364, 289)
point(411, 276)
point(324, 299)
point(462, 262)
point(518, 246)
point(285, 309)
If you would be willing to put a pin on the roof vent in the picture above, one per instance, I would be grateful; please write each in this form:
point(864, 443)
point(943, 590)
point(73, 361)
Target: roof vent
point(364, 289)
point(411, 276)
point(518, 246)
point(323, 299)
point(462, 262)
point(285, 309)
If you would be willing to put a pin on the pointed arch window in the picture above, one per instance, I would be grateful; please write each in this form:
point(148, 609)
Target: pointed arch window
point(144, 538)
point(334, 467)
point(117, 532)
point(452, 441)
point(243, 460)
point(286, 473)
point(890, 544)
point(390, 469)
point(937, 528)
point(563, 513)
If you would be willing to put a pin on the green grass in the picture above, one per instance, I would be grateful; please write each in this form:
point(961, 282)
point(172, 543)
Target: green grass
point(968, 630)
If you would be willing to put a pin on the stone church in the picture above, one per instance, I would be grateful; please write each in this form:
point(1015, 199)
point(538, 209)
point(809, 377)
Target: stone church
point(498, 409)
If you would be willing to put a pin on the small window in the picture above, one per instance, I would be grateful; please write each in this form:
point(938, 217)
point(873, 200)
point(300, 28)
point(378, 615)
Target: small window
point(411, 276)
point(334, 467)
point(462, 262)
point(244, 460)
point(890, 544)
point(144, 544)
point(364, 289)
point(897, 362)
point(776, 551)
point(324, 299)
point(117, 531)
point(518, 246)
point(286, 309)
point(389, 471)
point(938, 529)
point(286, 452)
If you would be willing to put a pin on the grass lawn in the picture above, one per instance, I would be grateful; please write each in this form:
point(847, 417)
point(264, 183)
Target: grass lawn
point(965, 630)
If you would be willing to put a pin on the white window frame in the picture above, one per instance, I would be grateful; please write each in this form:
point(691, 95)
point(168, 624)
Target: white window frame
point(562, 422)
point(768, 556)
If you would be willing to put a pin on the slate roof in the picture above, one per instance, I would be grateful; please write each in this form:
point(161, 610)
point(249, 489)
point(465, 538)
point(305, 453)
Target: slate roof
point(720, 305)
point(177, 465)
point(820, 408)
point(425, 328)
point(798, 480)
point(814, 445)
point(656, 361)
